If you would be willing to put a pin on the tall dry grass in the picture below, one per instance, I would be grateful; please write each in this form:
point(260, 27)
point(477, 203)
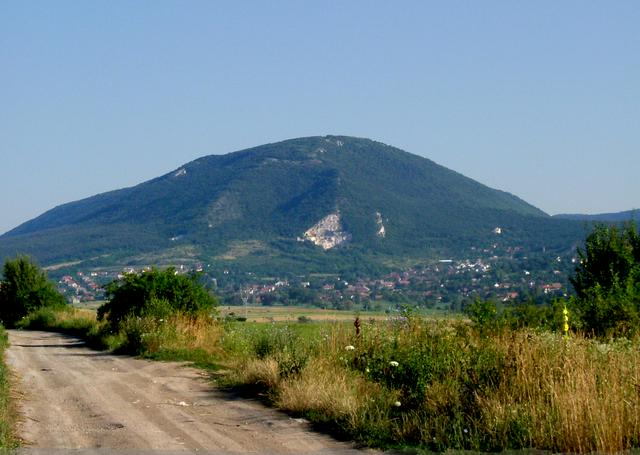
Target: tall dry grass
point(167, 336)
point(573, 395)
point(176, 336)
point(189, 332)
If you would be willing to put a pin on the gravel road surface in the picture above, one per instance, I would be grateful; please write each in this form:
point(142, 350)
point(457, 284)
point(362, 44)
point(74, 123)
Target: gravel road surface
point(76, 400)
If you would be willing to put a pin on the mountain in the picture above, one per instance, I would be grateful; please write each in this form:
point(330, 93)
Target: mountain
point(310, 204)
point(615, 217)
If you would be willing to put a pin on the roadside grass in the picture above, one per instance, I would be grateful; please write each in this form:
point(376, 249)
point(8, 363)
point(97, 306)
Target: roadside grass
point(192, 338)
point(174, 337)
point(8, 438)
point(432, 384)
point(71, 321)
point(441, 385)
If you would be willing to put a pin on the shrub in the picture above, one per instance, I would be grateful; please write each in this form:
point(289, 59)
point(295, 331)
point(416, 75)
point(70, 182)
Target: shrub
point(25, 288)
point(606, 314)
point(607, 281)
point(157, 293)
point(610, 260)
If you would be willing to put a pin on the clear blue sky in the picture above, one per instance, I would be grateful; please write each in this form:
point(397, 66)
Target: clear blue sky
point(538, 98)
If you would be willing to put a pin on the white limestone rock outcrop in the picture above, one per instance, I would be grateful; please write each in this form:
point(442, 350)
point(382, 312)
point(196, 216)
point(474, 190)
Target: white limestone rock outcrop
point(328, 232)
point(381, 232)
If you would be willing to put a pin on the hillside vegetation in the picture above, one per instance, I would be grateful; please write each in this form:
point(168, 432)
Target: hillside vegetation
point(249, 210)
point(616, 217)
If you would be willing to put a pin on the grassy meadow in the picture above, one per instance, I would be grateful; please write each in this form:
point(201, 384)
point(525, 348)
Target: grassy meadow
point(294, 314)
point(433, 384)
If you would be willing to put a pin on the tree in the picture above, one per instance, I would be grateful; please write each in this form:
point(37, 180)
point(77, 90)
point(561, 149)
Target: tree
point(607, 280)
point(611, 259)
point(25, 288)
point(139, 293)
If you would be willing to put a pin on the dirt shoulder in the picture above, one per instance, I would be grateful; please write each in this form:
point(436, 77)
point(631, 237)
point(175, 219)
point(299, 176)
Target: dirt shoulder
point(76, 398)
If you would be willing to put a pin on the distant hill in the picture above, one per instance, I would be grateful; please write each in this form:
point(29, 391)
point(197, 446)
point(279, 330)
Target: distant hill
point(615, 217)
point(309, 204)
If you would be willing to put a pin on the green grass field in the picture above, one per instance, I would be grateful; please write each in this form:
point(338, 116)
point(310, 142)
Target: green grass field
point(293, 313)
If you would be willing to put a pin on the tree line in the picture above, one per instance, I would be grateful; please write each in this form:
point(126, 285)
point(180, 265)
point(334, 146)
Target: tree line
point(606, 280)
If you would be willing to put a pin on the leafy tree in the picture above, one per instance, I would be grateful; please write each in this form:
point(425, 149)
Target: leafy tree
point(268, 299)
point(302, 295)
point(154, 291)
point(607, 280)
point(25, 288)
point(611, 258)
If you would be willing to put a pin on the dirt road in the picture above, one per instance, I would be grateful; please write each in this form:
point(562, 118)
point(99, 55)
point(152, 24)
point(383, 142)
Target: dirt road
point(76, 398)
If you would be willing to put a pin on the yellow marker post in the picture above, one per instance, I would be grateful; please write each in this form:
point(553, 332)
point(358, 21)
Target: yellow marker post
point(565, 314)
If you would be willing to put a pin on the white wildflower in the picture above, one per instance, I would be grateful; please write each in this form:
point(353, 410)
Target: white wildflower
point(393, 363)
point(349, 348)
point(397, 404)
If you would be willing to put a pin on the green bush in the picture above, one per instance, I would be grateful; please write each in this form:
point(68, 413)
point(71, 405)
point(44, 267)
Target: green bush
point(607, 282)
point(25, 288)
point(608, 314)
point(156, 293)
point(609, 261)
point(40, 319)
